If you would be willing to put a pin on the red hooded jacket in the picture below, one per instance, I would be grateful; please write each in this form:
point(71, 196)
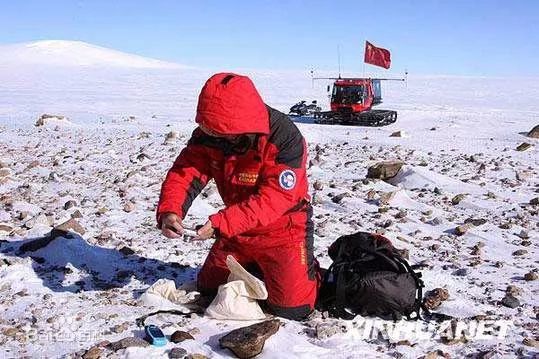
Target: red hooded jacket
point(261, 188)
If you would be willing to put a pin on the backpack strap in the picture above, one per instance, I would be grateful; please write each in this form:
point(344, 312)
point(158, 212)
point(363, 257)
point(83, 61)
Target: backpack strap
point(418, 305)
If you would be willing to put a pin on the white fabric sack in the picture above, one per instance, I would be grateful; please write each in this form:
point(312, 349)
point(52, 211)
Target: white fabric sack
point(163, 295)
point(237, 299)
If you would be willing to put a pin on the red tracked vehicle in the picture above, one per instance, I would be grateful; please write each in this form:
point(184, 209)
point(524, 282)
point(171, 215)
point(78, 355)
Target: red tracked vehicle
point(352, 100)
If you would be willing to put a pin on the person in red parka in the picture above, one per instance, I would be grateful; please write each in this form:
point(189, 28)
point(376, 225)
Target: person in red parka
point(257, 158)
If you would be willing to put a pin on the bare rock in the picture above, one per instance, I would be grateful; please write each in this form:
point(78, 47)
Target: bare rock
point(129, 207)
point(76, 214)
point(458, 198)
point(338, 198)
point(196, 356)
point(462, 229)
point(398, 134)
point(476, 221)
point(69, 204)
point(318, 185)
point(179, 336)
point(384, 170)
point(126, 251)
point(534, 201)
point(128, 342)
point(94, 352)
point(513, 290)
point(520, 252)
point(4, 172)
point(531, 276)
point(71, 225)
point(530, 341)
point(4, 228)
point(510, 301)
point(43, 119)
point(434, 298)
point(534, 132)
point(177, 353)
point(523, 146)
point(246, 342)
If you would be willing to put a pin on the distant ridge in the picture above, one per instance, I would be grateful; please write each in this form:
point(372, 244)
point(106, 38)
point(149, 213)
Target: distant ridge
point(74, 53)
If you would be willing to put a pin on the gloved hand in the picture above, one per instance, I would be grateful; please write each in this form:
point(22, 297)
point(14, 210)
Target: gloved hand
point(171, 225)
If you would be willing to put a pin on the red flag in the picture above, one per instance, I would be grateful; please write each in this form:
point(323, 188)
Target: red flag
point(377, 56)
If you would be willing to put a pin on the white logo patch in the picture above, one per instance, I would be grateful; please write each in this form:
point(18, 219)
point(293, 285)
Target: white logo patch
point(287, 179)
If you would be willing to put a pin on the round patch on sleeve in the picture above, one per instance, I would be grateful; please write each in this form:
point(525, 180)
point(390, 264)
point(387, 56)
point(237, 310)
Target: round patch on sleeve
point(287, 179)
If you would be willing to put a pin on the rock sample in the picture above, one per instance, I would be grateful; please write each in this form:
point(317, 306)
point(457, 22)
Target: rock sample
point(247, 342)
point(384, 170)
point(534, 132)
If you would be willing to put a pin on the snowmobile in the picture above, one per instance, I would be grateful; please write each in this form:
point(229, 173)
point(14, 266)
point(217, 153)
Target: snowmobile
point(352, 100)
point(302, 109)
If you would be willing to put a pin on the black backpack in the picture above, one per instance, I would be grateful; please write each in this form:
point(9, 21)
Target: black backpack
point(369, 277)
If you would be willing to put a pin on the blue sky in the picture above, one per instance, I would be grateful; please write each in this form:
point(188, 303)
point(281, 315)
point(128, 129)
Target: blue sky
point(475, 37)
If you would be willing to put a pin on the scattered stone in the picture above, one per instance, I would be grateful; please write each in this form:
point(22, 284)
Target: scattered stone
point(510, 301)
point(531, 342)
point(43, 119)
point(461, 272)
point(458, 198)
point(531, 276)
point(534, 132)
point(476, 221)
point(338, 198)
point(249, 341)
point(10, 331)
point(76, 214)
point(5, 228)
point(179, 336)
point(513, 290)
point(128, 342)
point(462, 229)
point(384, 170)
point(196, 356)
point(177, 353)
point(534, 201)
point(434, 298)
point(523, 234)
point(129, 207)
point(520, 252)
point(71, 225)
point(94, 352)
point(318, 185)
point(397, 134)
point(4, 172)
point(436, 221)
point(126, 251)
point(523, 146)
point(69, 204)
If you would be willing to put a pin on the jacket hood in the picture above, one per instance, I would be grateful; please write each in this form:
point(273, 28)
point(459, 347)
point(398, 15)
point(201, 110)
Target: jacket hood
point(229, 104)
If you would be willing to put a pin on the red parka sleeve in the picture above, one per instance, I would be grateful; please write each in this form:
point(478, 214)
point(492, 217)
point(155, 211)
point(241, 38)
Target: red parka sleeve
point(185, 180)
point(282, 185)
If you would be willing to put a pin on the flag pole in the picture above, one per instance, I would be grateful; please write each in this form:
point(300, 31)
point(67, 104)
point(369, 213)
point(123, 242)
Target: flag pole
point(339, 58)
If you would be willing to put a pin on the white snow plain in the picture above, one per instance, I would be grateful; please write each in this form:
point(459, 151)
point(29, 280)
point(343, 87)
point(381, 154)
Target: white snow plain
point(63, 299)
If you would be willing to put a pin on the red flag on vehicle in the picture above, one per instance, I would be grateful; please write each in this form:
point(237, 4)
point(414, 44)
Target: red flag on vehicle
point(377, 56)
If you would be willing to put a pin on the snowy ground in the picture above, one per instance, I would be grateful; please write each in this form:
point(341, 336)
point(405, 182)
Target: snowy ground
point(110, 158)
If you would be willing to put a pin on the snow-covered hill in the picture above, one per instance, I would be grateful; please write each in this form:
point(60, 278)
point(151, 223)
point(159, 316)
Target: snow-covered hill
point(104, 164)
point(73, 53)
